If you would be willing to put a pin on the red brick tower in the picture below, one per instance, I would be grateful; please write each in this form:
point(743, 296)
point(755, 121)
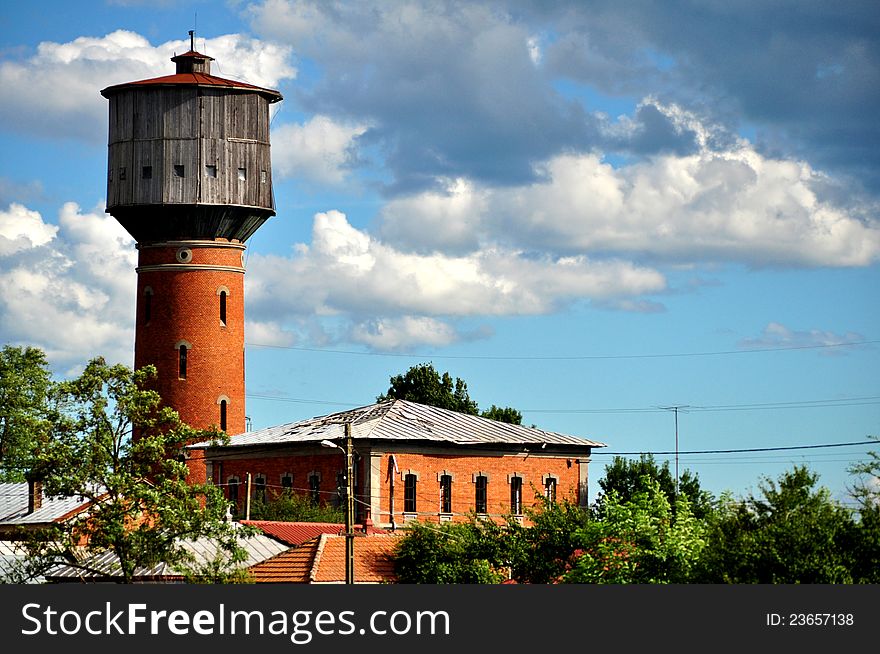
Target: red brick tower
point(190, 178)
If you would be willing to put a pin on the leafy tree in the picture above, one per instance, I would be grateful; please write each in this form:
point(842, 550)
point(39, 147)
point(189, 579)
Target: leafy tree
point(629, 477)
point(639, 541)
point(450, 553)
point(291, 506)
point(25, 385)
point(866, 540)
point(793, 532)
point(423, 384)
point(540, 552)
point(503, 414)
point(141, 504)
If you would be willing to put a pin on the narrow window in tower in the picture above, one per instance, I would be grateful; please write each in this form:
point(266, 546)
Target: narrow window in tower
point(242, 174)
point(179, 170)
point(121, 174)
point(148, 305)
point(109, 174)
point(181, 362)
point(223, 405)
point(147, 172)
point(210, 171)
point(223, 308)
point(264, 176)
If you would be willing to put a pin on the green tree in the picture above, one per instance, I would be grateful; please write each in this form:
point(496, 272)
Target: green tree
point(142, 507)
point(629, 477)
point(793, 532)
point(25, 389)
point(450, 553)
point(503, 414)
point(423, 384)
point(639, 541)
point(291, 506)
point(866, 539)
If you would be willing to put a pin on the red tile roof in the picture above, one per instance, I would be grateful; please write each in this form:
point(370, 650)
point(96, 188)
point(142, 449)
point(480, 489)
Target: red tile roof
point(373, 563)
point(321, 560)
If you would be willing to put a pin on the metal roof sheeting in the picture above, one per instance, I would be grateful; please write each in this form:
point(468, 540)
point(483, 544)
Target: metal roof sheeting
point(401, 420)
point(14, 506)
point(105, 566)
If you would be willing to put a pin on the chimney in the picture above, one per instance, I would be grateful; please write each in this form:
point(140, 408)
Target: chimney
point(35, 494)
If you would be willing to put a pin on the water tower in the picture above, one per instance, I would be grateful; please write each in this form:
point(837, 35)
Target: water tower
point(189, 177)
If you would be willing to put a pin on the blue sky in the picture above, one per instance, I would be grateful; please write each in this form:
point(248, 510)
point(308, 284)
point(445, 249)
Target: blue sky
point(587, 211)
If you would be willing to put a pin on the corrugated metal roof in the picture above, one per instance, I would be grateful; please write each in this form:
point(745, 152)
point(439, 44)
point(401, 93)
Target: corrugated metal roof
point(14, 506)
point(401, 420)
point(106, 565)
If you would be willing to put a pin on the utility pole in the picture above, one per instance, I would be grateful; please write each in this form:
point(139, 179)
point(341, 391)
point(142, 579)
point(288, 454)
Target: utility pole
point(349, 499)
point(349, 506)
point(675, 409)
point(247, 499)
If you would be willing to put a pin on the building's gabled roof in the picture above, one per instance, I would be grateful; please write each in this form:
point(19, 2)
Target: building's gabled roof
point(401, 420)
point(297, 533)
point(105, 566)
point(14, 506)
point(321, 560)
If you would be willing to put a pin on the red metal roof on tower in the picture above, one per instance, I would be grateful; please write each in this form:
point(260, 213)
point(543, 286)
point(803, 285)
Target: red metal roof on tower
point(194, 79)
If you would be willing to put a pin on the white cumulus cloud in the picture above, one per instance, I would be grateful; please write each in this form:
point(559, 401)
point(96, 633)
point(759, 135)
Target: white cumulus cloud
point(71, 289)
point(64, 79)
point(318, 150)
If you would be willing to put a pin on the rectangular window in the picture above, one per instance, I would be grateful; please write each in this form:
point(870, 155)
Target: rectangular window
point(516, 495)
point(147, 172)
point(481, 499)
point(409, 493)
point(179, 171)
point(287, 481)
point(550, 489)
point(223, 415)
point(315, 489)
point(232, 490)
point(446, 494)
point(121, 174)
point(210, 171)
point(260, 489)
point(242, 174)
point(148, 306)
point(264, 176)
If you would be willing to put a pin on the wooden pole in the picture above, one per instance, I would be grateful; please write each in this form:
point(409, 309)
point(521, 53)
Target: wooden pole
point(247, 499)
point(349, 506)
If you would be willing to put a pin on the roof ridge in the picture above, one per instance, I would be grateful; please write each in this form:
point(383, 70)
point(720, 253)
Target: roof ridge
point(316, 562)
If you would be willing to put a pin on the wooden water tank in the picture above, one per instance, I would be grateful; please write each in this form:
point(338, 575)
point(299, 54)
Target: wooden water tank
point(189, 155)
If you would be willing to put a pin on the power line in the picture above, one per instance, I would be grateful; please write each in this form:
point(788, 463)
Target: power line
point(570, 357)
point(764, 406)
point(737, 451)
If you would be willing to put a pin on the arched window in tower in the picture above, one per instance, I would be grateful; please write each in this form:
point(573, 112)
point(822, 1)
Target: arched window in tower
point(223, 295)
point(181, 361)
point(223, 404)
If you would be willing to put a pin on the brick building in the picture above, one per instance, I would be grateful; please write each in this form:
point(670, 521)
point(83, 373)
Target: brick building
point(412, 462)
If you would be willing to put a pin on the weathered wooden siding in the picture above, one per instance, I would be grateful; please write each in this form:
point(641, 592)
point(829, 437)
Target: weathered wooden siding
point(175, 135)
